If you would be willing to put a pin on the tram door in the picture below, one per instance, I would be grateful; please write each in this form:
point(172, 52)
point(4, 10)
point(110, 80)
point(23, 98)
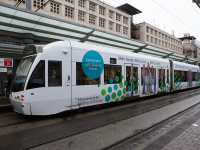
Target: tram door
point(131, 80)
point(161, 79)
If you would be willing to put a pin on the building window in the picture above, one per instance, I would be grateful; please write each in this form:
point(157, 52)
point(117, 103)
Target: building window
point(155, 33)
point(69, 12)
point(147, 28)
point(118, 27)
point(111, 13)
point(38, 3)
point(125, 30)
point(55, 8)
point(92, 6)
point(111, 25)
point(91, 19)
point(125, 20)
point(118, 16)
point(81, 15)
point(147, 37)
point(101, 10)
point(70, 1)
point(151, 39)
point(156, 41)
point(81, 3)
point(151, 31)
point(101, 22)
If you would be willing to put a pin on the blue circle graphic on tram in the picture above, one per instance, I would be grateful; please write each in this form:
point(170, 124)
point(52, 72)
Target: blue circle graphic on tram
point(92, 64)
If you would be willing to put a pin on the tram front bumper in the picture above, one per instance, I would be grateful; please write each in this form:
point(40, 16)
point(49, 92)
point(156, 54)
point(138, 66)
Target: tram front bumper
point(17, 106)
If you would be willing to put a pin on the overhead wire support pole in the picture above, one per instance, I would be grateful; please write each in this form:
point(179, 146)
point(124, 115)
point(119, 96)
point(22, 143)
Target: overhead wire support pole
point(44, 5)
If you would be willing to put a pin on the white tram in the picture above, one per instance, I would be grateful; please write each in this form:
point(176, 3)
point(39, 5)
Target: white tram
point(68, 75)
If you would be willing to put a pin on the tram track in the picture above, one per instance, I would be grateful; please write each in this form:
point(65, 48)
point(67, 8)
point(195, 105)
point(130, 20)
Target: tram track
point(113, 115)
point(12, 118)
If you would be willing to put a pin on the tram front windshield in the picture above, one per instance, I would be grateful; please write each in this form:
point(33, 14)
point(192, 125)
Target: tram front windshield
point(21, 73)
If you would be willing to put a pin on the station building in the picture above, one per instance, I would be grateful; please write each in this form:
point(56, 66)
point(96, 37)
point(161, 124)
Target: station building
point(152, 35)
point(93, 13)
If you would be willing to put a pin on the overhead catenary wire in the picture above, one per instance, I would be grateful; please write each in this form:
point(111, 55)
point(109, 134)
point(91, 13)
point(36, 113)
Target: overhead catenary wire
point(175, 16)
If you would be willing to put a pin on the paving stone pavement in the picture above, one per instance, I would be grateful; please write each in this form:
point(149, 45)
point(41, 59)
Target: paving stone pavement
point(188, 140)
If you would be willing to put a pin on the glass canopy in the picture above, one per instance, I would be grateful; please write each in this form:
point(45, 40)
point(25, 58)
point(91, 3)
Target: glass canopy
point(18, 20)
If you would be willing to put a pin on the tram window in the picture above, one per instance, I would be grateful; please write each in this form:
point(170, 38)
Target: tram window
point(184, 76)
point(113, 61)
point(37, 78)
point(177, 77)
point(193, 76)
point(132, 81)
point(82, 78)
point(180, 76)
point(144, 73)
point(161, 77)
point(167, 75)
point(112, 74)
point(54, 73)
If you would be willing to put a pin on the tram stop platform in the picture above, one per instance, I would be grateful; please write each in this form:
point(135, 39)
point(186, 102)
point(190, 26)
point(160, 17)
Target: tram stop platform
point(180, 131)
point(182, 135)
point(5, 104)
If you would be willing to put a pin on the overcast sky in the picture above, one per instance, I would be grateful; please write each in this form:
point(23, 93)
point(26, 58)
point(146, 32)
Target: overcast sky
point(182, 16)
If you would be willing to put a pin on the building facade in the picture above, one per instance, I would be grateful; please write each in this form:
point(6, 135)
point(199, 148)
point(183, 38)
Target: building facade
point(92, 13)
point(198, 53)
point(191, 46)
point(151, 35)
point(197, 44)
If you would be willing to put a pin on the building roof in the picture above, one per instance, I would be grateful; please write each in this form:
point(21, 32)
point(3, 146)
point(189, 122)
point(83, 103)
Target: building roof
point(129, 9)
point(188, 37)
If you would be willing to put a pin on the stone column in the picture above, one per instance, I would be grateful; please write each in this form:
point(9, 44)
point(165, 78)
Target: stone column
point(29, 4)
point(75, 17)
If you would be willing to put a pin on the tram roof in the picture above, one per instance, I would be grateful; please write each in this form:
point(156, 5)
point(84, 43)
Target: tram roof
point(21, 21)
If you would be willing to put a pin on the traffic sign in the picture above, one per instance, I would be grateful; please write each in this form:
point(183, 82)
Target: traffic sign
point(6, 62)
